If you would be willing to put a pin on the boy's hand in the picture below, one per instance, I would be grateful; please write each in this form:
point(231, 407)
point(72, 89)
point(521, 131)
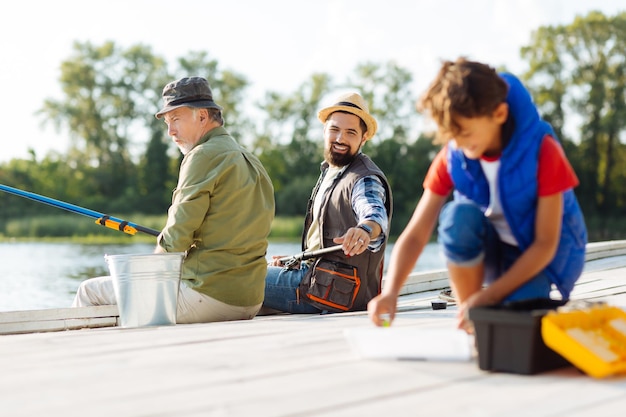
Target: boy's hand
point(463, 321)
point(478, 299)
point(382, 309)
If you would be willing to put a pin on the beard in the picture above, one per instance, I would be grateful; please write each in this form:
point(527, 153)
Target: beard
point(339, 159)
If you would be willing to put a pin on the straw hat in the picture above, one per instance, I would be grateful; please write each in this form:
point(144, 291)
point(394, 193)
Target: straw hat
point(355, 104)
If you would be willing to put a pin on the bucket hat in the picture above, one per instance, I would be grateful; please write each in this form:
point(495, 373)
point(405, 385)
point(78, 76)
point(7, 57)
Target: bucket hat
point(187, 92)
point(355, 104)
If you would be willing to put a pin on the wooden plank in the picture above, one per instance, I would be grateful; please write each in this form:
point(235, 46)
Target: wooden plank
point(547, 394)
point(599, 250)
point(56, 325)
point(425, 281)
point(594, 247)
point(58, 313)
point(57, 319)
point(603, 264)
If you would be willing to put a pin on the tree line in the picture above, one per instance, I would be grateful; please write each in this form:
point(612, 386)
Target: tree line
point(120, 159)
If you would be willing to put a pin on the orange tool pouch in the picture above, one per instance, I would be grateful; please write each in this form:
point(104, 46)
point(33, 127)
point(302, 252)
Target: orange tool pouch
point(330, 285)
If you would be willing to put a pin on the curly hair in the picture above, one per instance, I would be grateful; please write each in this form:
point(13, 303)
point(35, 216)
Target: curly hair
point(462, 88)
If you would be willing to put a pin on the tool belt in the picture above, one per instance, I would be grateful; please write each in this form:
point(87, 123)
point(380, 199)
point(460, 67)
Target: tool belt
point(330, 285)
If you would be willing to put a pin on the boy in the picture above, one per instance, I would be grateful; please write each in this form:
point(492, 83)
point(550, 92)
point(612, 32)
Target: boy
point(514, 224)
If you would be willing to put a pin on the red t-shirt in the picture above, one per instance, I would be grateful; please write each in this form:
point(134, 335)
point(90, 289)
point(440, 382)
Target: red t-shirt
point(555, 174)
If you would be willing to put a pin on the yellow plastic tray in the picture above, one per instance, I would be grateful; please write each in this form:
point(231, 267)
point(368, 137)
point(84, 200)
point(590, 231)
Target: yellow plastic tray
point(593, 339)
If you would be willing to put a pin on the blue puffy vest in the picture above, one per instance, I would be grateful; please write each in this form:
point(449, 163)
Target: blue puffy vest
point(517, 183)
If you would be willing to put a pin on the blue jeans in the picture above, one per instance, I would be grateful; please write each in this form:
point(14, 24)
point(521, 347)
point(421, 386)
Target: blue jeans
point(467, 238)
point(281, 286)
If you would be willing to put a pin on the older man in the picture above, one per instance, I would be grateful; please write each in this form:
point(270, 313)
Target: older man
point(221, 214)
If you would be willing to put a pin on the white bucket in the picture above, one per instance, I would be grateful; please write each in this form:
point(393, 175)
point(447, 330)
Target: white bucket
point(146, 287)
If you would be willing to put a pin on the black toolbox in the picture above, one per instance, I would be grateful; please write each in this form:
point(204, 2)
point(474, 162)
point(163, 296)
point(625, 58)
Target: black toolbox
point(508, 337)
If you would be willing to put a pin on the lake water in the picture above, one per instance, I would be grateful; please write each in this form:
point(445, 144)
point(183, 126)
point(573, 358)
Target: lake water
point(46, 275)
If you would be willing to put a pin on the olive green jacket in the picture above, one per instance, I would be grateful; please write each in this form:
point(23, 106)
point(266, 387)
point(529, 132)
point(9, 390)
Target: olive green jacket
point(221, 214)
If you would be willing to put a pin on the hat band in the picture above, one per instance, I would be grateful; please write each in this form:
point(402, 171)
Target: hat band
point(188, 100)
point(347, 103)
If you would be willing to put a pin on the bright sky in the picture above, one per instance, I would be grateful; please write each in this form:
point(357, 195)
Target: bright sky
point(276, 44)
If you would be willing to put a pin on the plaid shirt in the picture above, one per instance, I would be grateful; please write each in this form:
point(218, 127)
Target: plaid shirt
point(368, 204)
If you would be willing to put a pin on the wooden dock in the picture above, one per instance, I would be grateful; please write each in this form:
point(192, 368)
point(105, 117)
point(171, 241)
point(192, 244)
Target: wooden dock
point(293, 365)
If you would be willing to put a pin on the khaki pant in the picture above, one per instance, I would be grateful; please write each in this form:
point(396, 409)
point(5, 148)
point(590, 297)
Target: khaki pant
point(193, 307)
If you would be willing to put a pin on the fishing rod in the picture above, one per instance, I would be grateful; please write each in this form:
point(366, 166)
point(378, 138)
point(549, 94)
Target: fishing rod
point(290, 261)
point(101, 219)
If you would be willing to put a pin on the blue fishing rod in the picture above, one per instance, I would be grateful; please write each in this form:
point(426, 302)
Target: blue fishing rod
point(101, 219)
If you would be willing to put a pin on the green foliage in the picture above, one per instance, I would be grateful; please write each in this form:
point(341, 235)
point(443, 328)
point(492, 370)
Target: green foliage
point(287, 228)
point(387, 89)
point(405, 166)
point(578, 73)
point(228, 88)
point(293, 197)
point(154, 175)
point(603, 228)
point(72, 225)
point(121, 161)
point(85, 230)
point(290, 143)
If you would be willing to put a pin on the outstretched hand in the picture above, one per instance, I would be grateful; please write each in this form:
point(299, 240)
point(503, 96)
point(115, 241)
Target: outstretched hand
point(354, 241)
point(382, 309)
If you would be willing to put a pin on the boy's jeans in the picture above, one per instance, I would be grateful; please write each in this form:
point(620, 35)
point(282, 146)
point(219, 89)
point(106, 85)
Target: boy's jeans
point(467, 237)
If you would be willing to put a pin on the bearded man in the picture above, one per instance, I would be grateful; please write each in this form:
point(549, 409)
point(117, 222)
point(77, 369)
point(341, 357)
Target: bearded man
point(351, 206)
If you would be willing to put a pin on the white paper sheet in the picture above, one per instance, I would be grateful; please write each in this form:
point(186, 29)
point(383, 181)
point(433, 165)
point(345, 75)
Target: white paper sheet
point(410, 343)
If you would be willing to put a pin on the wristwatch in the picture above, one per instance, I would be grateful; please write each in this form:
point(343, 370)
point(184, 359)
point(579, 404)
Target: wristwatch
point(366, 228)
